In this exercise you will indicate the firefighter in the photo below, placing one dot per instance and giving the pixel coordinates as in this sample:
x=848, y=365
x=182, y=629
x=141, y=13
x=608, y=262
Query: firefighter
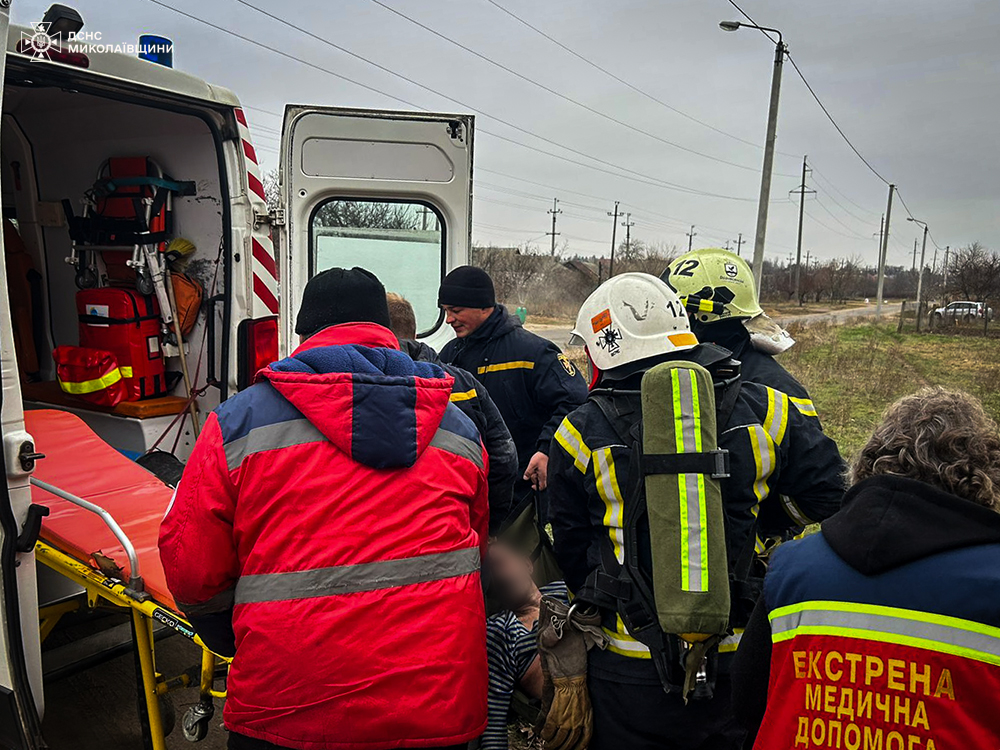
x=717, y=287
x=469, y=395
x=883, y=630
x=328, y=533
x=533, y=384
x=630, y=324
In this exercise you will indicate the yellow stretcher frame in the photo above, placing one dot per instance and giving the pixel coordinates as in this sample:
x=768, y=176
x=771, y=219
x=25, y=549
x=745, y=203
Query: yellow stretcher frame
x=99, y=588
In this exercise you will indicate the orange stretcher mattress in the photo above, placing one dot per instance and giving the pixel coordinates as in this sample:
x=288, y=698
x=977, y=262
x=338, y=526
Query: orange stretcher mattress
x=77, y=461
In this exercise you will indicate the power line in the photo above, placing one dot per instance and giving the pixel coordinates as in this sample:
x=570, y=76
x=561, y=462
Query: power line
x=836, y=219
x=841, y=193
x=621, y=80
x=640, y=178
x=834, y=122
x=814, y=96
x=554, y=92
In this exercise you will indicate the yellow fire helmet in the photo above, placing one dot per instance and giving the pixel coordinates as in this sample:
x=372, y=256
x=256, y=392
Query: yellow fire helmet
x=714, y=284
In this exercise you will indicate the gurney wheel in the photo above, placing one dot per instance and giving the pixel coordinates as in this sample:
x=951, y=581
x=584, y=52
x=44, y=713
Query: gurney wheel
x=196, y=721
x=144, y=283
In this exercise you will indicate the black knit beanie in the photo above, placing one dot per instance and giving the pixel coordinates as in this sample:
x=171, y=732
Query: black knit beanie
x=339, y=296
x=467, y=286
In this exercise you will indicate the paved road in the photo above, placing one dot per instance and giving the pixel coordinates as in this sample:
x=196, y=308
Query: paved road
x=560, y=334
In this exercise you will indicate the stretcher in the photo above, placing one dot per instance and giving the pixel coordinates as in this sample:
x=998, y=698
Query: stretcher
x=101, y=533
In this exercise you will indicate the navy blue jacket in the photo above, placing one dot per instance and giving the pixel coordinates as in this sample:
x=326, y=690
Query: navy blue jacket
x=531, y=381
x=896, y=566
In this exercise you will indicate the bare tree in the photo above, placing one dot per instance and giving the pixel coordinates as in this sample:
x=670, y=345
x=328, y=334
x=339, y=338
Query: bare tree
x=512, y=269
x=271, y=188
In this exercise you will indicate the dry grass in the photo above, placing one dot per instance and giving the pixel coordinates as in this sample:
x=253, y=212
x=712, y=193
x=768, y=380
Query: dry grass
x=854, y=372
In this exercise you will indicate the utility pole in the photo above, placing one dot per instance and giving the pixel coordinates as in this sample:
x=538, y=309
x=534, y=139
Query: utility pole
x=614, y=229
x=883, y=251
x=628, y=224
x=727, y=245
x=947, y=248
x=914, y=267
x=920, y=276
x=765, y=176
x=739, y=245
x=934, y=264
x=807, y=259
x=554, y=210
x=801, y=190
x=691, y=235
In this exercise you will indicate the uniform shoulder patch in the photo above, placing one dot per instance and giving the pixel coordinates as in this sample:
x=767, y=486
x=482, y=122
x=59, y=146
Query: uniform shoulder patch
x=568, y=366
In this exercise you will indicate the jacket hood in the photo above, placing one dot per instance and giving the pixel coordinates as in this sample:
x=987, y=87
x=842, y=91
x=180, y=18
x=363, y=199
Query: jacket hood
x=888, y=521
x=368, y=398
x=419, y=351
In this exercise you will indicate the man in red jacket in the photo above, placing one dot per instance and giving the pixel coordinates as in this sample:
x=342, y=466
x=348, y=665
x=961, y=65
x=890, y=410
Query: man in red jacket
x=328, y=531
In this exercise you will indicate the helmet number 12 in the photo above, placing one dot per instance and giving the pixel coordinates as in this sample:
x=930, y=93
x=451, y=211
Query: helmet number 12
x=686, y=268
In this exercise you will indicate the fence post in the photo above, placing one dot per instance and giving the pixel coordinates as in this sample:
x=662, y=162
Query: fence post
x=902, y=314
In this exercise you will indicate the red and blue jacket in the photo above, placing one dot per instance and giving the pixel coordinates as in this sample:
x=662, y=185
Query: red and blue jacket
x=883, y=630
x=328, y=530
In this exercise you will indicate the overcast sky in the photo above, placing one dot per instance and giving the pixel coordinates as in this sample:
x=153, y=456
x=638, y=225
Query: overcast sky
x=913, y=83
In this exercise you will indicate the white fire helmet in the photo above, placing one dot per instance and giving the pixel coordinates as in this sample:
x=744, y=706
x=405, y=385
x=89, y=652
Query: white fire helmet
x=631, y=317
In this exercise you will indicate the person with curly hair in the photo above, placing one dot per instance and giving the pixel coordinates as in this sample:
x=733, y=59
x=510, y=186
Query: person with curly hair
x=883, y=629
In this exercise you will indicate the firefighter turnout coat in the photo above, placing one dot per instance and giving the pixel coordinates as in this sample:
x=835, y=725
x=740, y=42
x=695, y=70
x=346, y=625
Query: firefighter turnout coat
x=533, y=384
x=334, y=516
x=776, y=455
x=881, y=631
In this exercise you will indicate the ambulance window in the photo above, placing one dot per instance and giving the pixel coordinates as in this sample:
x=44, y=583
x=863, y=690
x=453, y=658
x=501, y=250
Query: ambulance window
x=401, y=243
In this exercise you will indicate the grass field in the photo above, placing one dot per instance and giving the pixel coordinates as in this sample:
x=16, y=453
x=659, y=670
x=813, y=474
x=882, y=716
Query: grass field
x=853, y=372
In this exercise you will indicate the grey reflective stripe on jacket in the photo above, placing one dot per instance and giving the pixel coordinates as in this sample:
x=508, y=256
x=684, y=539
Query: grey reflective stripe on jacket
x=271, y=437
x=458, y=445
x=351, y=579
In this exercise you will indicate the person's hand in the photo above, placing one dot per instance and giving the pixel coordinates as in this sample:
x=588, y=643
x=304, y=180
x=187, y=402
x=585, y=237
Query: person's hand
x=538, y=471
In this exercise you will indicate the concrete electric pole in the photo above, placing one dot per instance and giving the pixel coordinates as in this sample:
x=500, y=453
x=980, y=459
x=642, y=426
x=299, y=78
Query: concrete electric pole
x=614, y=230
x=883, y=251
x=801, y=190
x=554, y=210
x=628, y=224
x=691, y=235
x=739, y=245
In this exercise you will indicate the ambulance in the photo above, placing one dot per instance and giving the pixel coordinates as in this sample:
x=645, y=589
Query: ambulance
x=136, y=226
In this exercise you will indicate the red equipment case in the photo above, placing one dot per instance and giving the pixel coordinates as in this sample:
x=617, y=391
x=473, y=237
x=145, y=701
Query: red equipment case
x=126, y=323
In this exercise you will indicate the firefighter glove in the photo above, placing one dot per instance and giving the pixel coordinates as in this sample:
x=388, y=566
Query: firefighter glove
x=565, y=634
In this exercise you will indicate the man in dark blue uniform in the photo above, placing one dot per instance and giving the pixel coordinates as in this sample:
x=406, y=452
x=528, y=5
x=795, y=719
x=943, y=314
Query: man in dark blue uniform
x=533, y=384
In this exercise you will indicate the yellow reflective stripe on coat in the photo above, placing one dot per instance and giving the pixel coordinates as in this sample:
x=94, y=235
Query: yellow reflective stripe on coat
x=805, y=406
x=500, y=366
x=730, y=643
x=762, y=447
x=90, y=386
x=126, y=371
x=777, y=415
x=794, y=511
x=903, y=627
x=607, y=488
x=623, y=644
x=691, y=487
x=572, y=442
x=464, y=395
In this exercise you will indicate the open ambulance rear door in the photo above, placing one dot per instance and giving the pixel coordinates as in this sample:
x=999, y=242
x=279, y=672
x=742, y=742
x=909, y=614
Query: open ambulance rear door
x=20, y=654
x=387, y=191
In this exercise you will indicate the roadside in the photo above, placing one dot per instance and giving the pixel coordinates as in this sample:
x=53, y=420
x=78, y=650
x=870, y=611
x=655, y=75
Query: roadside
x=558, y=330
